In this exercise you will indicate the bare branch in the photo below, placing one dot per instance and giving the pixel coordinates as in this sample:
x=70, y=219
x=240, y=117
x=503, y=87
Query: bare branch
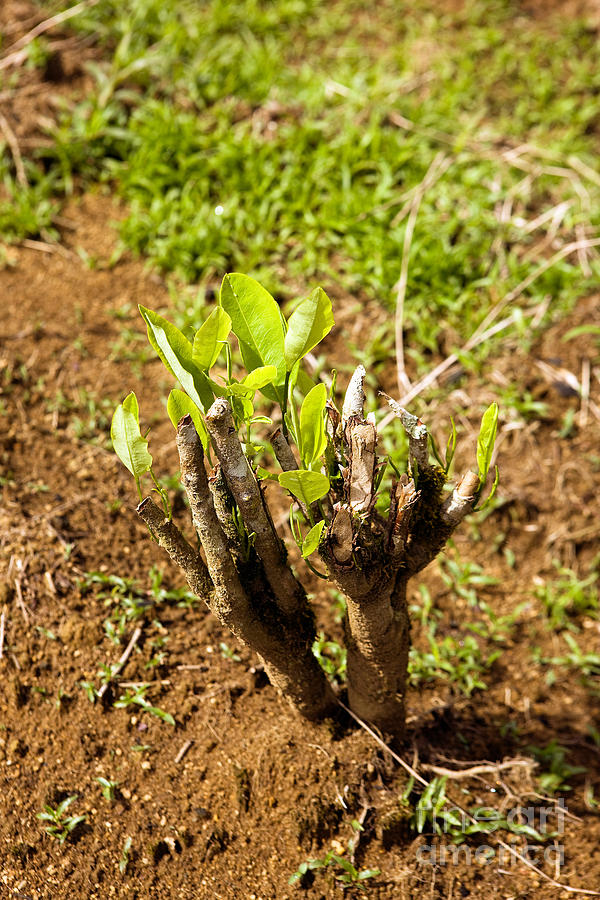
x=354, y=399
x=118, y=667
x=283, y=452
x=483, y=769
x=229, y=593
x=288, y=462
x=363, y=460
x=183, y=555
x=247, y=494
x=416, y=431
x=224, y=503
x=460, y=503
x=287, y=656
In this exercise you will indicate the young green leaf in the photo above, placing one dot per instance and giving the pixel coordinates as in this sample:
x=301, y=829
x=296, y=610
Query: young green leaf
x=258, y=378
x=210, y=337
x=176, y=353
x=306, y=486
x=256, y=321
x=486, y=440
x=180, y=405
x=130, y=404
x=313, y=438
x=311, y=541
x=450, y=446
x=127, y=440
x=307, y=326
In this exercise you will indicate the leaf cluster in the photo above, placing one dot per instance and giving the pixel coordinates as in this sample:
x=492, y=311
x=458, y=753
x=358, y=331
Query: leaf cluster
x=61, y=825
x=272, y=349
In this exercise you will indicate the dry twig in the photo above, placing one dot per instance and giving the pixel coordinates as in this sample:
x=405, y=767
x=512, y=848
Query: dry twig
x=486, y=330
x=483, y=769
x=182, y=751
x=18, y=51
x=511, y=850
x=11, y=139
x=118, y=667
x=437, y=168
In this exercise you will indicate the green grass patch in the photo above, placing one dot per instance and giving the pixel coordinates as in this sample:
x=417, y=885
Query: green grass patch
x=289, y=139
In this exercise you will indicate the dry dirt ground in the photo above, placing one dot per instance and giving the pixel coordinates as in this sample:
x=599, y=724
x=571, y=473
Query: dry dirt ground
x=232, y=798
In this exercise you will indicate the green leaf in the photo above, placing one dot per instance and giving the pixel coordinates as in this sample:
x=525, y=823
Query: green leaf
x=313, y=438
x=176, y=353
x=486, y=440
x=579, y=330
x=258, y=378
x=307, y=326
x=180, y=405
x=450, y=446
x=127, y=440
x=210, y=337
x=305, y=486
x=256, y=321
x=130, y=404
x=240, y=398
x=311, y=541
x=368, y=873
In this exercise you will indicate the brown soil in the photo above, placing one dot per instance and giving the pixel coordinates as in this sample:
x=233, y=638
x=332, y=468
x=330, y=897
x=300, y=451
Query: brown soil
x=257, y=791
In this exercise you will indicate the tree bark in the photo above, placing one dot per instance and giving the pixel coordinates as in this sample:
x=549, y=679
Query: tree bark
x=377, y=635
x=284, y=644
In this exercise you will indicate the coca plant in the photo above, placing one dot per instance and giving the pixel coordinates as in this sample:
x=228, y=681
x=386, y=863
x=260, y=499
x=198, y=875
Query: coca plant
x=327, y=462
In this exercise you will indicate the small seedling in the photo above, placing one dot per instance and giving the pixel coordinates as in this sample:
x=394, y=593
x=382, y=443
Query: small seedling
x=61, y=826
x=457, y=660
x=228, y=653
x=553, y=759
x=90, y=689
x=586, y=664
x=349, y=874
x=568, y=597
x=124, y=861
x=137, y=697
x=332, y=657
x=108, y=788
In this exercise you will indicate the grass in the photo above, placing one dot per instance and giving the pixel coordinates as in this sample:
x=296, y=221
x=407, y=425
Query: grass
x=568, y=597
x=287, y=140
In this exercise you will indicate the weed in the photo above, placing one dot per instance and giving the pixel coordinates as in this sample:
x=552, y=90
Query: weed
x=568, y=597
x=457, y=660
x=46, y=632
x=61, y=825
x=553, y=759
x=586, y=664
x=90, y=690
x=108, y=788
x=464, y=578
x=137, y=697
x=434, y=812
x=125, y=854
x=159, y=654
x=343, y=869
x=127, y=601
x=228, y=653
x=332, y=657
